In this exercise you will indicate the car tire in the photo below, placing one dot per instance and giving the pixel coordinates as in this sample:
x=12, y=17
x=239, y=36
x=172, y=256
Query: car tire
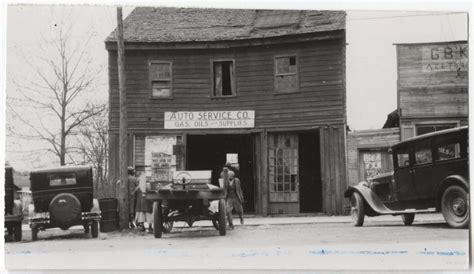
x=455, y=206
x=17, y=232
x=86, y=228
x=167, y=226
x=215, y=222
x=157, y=222
x=95, y=229
x=408, y=218
x=222, y=215
x=34, y=233
x=357, y=209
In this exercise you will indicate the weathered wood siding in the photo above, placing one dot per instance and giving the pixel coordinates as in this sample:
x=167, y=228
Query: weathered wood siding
x=433, y=79
x=368, y=140
x=320, y=100
x=333, y=168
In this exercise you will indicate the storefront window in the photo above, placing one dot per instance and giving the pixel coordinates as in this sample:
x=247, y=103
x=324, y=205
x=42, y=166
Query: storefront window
x=283, y=167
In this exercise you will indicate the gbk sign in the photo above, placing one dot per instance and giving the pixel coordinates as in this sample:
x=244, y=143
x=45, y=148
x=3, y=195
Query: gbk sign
x=210, y=119
x=447, y=57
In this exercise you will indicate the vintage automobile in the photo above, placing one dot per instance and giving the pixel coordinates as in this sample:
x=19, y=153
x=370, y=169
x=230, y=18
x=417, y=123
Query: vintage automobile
x=63, y=197
x=188, y=198
x=13, y=208
x=430, y=175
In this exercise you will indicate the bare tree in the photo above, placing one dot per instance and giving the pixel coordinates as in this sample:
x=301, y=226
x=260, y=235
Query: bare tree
x=56, y=99
x=93, y=146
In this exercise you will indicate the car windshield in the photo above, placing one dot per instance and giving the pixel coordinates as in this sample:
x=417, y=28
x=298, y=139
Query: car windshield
x=56, y=179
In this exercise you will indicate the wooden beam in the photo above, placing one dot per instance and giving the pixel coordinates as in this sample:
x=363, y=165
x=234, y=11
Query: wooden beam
x=123, y=148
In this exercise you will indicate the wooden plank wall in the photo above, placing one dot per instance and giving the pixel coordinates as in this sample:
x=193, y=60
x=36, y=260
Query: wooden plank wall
x=366, y=140
x=433, y=79
x=320, y=100
x=333, y=169
x=113, y=161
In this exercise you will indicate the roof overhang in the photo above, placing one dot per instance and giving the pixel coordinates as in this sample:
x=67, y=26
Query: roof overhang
x=287, y=39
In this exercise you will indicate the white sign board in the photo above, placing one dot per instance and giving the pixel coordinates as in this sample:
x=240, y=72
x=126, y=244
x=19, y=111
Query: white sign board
x=210, y=119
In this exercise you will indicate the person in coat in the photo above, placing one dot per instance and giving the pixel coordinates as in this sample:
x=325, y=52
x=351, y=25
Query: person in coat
x=144, y=208
x=132, y=189
x=234, y=197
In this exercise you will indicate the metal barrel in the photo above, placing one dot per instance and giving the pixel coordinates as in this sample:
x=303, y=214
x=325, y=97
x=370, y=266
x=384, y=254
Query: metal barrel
x=110, y=216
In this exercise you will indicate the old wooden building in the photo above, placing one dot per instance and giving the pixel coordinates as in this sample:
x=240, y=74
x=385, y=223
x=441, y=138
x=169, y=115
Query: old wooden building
x=368, y=153
x=432, y=86
x=264, y=90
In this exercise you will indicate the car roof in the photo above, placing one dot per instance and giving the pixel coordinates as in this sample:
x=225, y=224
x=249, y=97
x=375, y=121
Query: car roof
x=431, y=134
x=61, y=169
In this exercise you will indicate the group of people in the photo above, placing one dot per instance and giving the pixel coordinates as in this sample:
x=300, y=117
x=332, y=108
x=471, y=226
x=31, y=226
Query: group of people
x=141, y=209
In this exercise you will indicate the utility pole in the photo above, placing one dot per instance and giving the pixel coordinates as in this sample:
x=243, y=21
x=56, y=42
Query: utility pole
x=123, y=148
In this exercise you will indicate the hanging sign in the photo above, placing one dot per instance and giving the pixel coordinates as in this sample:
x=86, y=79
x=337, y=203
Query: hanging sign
x=210, y=119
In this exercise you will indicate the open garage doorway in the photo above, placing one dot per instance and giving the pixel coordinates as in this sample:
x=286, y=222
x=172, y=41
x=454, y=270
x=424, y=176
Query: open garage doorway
x=310, y=186
x=212, y=151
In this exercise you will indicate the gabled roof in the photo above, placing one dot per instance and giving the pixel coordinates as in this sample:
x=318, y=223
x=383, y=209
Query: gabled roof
x=170, y=25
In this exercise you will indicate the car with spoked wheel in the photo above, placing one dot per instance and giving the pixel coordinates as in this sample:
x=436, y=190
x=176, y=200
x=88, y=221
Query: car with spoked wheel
x=431, y=174
x=188, y=198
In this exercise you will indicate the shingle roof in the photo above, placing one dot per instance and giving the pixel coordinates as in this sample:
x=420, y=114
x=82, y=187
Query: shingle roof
x=149, y=24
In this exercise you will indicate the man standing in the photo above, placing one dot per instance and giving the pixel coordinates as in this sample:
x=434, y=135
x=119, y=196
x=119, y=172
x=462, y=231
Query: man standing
x=234, y=197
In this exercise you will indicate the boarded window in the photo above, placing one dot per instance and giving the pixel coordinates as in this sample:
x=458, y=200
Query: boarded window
x=223, y=78
x=283, y=167
x=286, y=74
x=160, y=77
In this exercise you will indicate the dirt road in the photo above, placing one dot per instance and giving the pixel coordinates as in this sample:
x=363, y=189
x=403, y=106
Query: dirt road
x=378, y=245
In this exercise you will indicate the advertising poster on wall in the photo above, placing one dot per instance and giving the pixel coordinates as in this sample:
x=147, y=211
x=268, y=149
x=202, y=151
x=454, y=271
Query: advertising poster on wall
x=159, y=159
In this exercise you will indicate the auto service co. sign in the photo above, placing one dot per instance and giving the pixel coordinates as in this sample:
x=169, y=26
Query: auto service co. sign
x=210, y=119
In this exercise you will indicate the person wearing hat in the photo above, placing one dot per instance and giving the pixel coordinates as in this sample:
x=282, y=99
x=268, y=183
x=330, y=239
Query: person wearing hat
x=234, y=197
x=132, y=190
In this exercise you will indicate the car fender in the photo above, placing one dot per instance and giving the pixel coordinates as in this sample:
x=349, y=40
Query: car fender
x=370, y=198
x=458, y=179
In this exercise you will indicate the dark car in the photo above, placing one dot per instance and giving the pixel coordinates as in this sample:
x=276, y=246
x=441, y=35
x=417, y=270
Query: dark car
x=13, y=208
x=63, y=197
x=431, y=174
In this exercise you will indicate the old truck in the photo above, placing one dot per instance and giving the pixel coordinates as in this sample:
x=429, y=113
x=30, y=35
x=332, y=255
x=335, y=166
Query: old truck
x=188, y=198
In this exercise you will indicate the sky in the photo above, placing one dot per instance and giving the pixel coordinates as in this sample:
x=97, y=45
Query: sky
x=371, y=75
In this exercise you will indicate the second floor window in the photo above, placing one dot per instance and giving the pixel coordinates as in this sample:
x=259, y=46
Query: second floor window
x=286, y=74
x=160, y=79
x=223, y=78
